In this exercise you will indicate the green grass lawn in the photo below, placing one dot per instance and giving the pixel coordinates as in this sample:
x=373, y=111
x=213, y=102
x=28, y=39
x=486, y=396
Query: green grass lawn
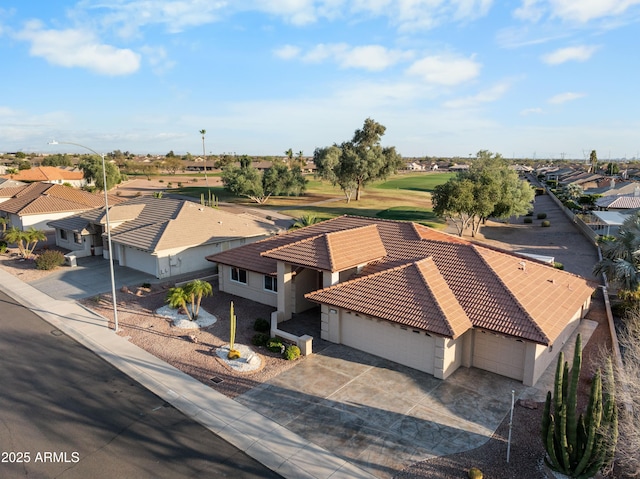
x=415, y=181
x=406, y=197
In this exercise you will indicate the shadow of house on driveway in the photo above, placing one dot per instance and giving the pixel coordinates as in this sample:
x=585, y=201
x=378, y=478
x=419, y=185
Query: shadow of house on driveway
x=380, y=415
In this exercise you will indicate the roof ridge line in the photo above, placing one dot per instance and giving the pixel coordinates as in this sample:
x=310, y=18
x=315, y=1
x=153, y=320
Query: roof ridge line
x=303, y=240
x=430, y=289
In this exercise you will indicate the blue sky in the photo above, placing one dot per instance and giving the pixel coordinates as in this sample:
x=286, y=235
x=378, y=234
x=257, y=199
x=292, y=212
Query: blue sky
x=525, y=78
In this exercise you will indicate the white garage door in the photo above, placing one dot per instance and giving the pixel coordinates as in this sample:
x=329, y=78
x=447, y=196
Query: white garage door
x=500, y=355
x=403, y=346
x=140, y=260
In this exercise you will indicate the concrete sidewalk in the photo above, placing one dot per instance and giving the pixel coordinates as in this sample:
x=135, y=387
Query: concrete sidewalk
x=273, y=445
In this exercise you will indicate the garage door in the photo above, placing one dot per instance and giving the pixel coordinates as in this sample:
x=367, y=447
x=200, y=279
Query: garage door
x=498, y=354
x=403, y=346
x=140, y=260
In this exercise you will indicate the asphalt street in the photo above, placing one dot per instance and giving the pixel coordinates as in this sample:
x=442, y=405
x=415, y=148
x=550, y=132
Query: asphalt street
x=66, y=413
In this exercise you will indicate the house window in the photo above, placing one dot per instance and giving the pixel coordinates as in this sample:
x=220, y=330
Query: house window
x=63, y=234
x=271, y=283
x=77, y=238
x=239, y=275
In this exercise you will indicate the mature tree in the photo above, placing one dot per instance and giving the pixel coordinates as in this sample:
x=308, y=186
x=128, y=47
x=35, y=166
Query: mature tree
x=195, y=290
x=247, y=181
x=224, y=160
x=21, y=155
x=357, y=162
x=593, y=159
x=57, y=160
x=289, y=154
x=620, y=259
x=24, y=165
x=172, y=165
x=150, y=169
x=612, y=168
x=25, y=240
x=488, y=189
x=171, y=154
x=91, y=166
x=455, y=200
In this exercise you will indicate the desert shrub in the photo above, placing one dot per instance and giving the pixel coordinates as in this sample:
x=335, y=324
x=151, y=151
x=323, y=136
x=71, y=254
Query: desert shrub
x=261, y=325
x=529, y=213
x=160, y=181
x=260, y=339
x=546, y=223
x=180, y=184
x=528, y=220
x=475, y=473
x=145, y=285
x=49, y=259
x=3, y=247
x=291, y=352
x=557, y=265
x=275, y=345
x=542, y=216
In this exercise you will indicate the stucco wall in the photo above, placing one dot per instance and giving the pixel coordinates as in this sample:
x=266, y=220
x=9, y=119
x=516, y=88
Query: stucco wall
x=253, y=290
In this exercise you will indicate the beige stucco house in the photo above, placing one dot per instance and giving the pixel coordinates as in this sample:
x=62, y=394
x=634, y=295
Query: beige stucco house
x=163, y=237
x=411, y=294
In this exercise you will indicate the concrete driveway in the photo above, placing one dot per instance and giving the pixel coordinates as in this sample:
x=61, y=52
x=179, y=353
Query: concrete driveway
x=90, y=278
x=379, y=415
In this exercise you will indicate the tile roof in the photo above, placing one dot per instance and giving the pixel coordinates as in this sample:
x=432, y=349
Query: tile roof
x=46, y=173
x=490, y=286
x=42, y=198
x=156, y=224
x=334, y=251
x=413, y=294
x=622, y=202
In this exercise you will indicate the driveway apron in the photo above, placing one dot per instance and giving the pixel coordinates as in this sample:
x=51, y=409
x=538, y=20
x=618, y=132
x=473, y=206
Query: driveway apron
x=379, y=415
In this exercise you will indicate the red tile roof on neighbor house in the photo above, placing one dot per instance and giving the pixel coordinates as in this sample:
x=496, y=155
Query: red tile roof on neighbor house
x=42, y=198
x=429, y=280
x=46, y=173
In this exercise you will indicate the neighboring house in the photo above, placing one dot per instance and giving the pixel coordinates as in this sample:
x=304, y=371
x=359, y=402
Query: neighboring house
x=611, y=187
x=414, y=166
x=621, y=202
x=163, y=237
x=36, y=204
x=50, y=174
x=583, y=179
x=6, y=183
x=417, y=296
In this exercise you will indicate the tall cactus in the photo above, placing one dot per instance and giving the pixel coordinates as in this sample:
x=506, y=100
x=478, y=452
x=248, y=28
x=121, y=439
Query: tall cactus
x=579, y=446
x=233, y=353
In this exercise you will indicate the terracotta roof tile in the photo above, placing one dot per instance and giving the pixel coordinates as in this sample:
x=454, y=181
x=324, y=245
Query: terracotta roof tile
x=413, y=294
x=42, y=198
x=46, y=173
x=334, y=251
x=485, y=283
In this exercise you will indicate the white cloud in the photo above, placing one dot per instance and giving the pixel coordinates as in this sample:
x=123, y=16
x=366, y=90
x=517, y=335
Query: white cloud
x=158, y=59
x=579, y=53
x=78, y=48
x=412, y=15
x=531, y=111
x=287, y=52
x=366, y=57
x=445, y=69
x=581, y=11
x=565, y=97
x=486, y=96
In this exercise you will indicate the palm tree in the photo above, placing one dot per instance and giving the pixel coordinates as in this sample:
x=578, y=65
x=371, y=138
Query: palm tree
x=32, y=237
x=3, y=223
x=621, y=258
x=177, y=298
x=17, y=236
x=195, y=290
x=204, y=154
x=305, y=220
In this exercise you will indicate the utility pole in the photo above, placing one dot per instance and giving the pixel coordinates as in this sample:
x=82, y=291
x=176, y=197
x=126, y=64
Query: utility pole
x=204, y=154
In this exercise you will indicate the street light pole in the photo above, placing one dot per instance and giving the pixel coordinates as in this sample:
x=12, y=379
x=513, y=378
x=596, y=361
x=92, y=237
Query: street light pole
x=106, y=207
